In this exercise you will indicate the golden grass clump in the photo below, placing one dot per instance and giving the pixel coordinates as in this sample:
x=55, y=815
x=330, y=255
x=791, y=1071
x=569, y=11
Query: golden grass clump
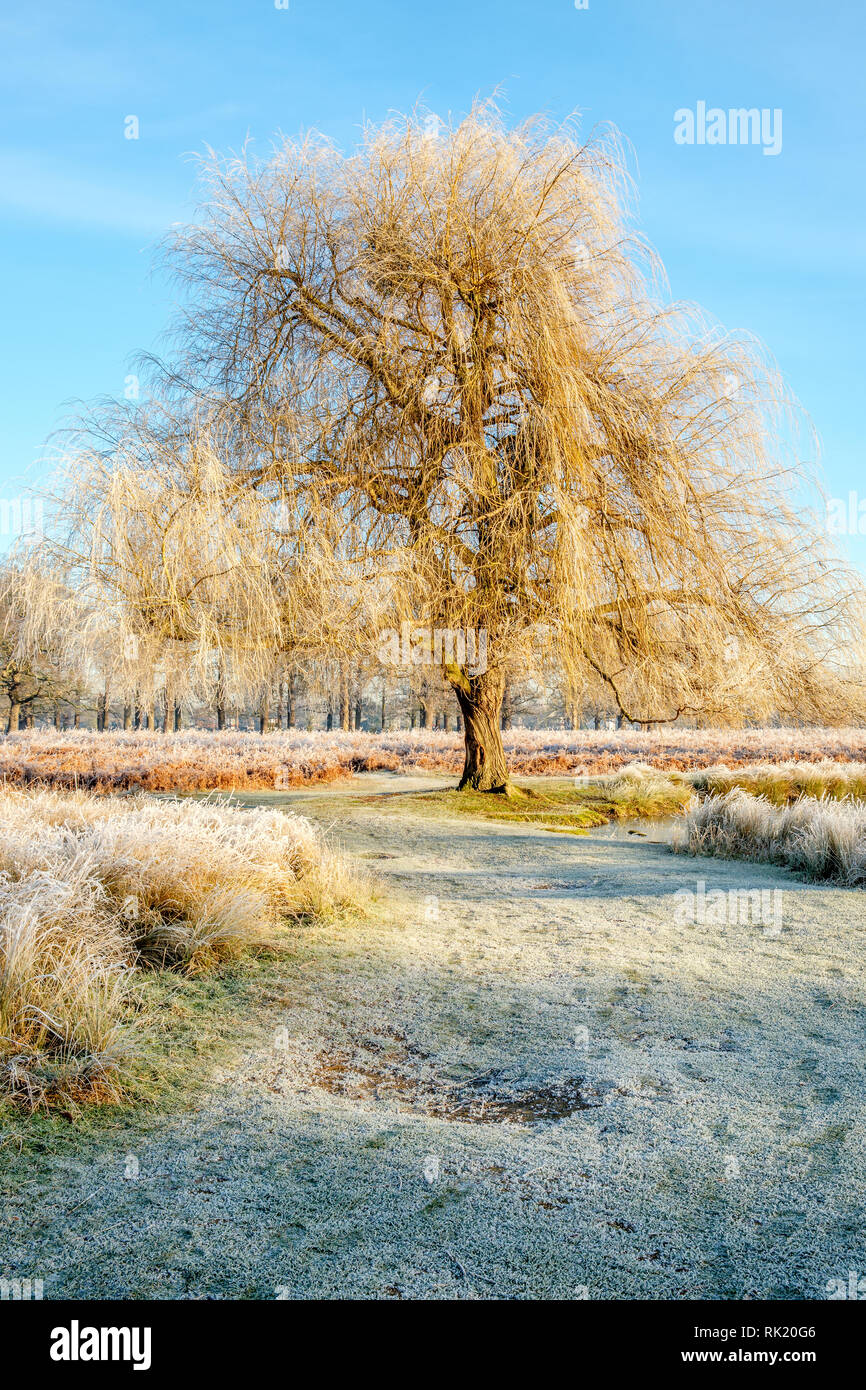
x=784, y=782
x=94, y=891
x=641, y=790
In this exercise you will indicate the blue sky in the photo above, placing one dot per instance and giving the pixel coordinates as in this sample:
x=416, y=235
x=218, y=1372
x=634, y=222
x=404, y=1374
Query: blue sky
x=772, y=244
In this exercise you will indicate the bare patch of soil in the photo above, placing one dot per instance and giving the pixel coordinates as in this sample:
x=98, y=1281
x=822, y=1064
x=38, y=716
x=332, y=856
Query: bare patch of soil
x=376, y=1072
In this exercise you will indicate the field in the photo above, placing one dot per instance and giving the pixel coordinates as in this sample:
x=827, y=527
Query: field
x=525, y=1072
x=201, y=761
x=347, y=1032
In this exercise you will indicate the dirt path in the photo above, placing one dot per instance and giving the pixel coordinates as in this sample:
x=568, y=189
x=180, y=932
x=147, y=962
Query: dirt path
x=529, y=1078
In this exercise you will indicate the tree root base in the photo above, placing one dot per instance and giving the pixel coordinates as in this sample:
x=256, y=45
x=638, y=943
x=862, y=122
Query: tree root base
x=507, y=789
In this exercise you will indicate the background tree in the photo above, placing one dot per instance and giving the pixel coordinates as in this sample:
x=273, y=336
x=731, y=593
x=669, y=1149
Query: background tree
x=207, y=587
x=37, y=666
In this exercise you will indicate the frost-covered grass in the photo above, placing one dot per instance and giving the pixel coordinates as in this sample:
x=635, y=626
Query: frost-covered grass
x=198, y=760
x=97, y=891
x=721, y=1157
x=782, y=783
x=640, y=790
x=818, y=838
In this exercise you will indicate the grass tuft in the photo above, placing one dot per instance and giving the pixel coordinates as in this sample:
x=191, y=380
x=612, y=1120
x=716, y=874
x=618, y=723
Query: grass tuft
x=96, y=892
x=782, y=783
x=819, y=838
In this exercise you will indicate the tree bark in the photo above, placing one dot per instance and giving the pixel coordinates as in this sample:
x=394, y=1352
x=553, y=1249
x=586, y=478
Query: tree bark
x=480, y=701
x=344, y=700
x=505, y=720
x=220, y=700
x=14, y=719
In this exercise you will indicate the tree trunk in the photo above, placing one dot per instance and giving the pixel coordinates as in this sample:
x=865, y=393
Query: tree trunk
x=220, y=700
x=178, y=716
x=127, y=716
x=505, y=721
x=13, y=722
x=290, y=701
x=480, y=701
x=344, y=701
x=383, y=707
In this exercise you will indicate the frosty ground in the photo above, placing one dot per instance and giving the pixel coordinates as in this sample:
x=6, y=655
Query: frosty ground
x=523, y=1076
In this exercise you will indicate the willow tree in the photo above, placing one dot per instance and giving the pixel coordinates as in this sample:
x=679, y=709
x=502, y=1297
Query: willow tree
x=453, y=345
x=201, y=583
x=35, y=662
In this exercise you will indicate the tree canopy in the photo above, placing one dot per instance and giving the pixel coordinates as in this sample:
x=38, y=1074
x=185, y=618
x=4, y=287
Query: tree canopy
x=451, y=358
